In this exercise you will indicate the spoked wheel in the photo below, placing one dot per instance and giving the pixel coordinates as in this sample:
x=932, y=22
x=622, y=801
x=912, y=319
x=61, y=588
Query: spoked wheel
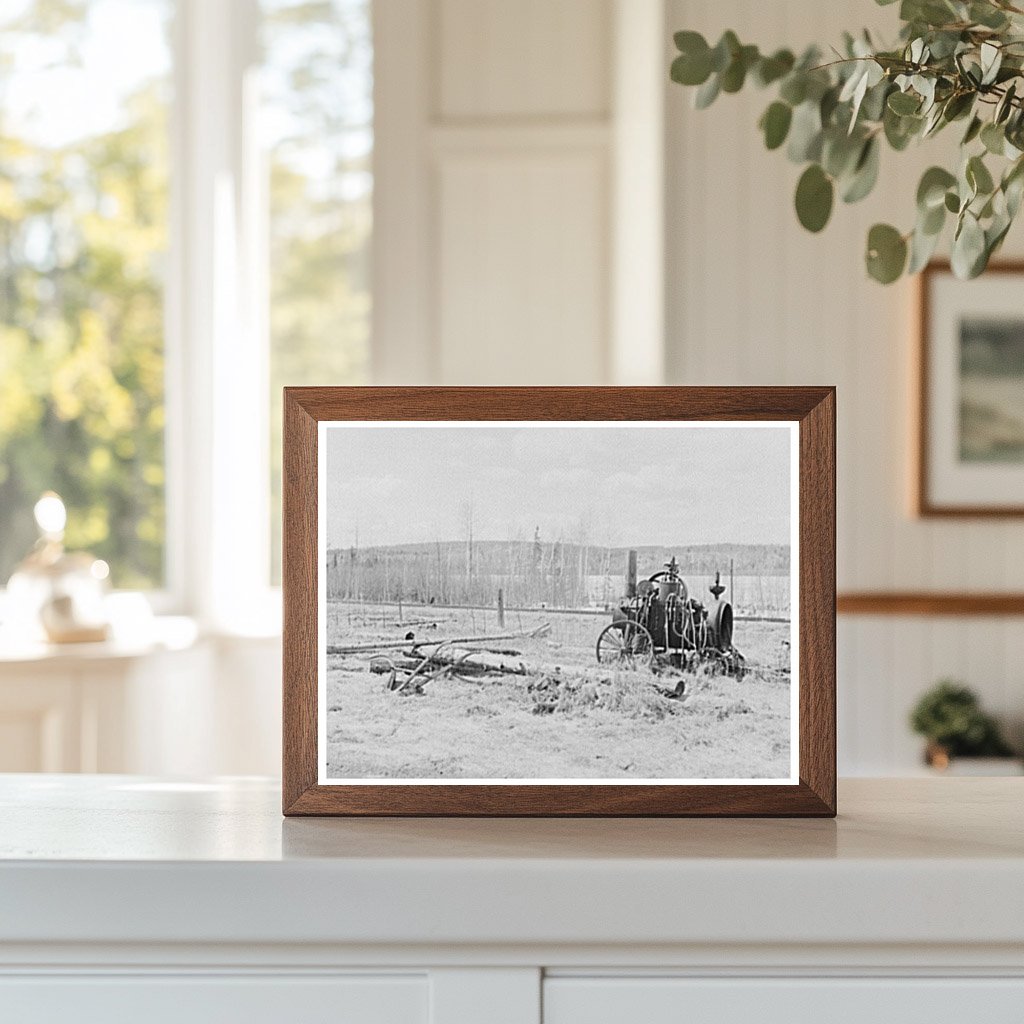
x=625, y=643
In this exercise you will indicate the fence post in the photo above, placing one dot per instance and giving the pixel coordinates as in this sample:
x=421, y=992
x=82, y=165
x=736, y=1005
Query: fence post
x=501, y=607
x=631, y=574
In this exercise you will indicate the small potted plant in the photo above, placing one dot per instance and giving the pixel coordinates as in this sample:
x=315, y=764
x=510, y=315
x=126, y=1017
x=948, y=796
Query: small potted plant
x=950, y=718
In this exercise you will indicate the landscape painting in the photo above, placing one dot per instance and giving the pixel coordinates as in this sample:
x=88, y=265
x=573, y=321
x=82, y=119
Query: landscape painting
x=991, y=390
x=587, y=602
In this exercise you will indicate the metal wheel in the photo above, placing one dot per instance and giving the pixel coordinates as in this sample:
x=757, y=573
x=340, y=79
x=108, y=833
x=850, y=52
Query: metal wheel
x=720, y=626
x=625, y=643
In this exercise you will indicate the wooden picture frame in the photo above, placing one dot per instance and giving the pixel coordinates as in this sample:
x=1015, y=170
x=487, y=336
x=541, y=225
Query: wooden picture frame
x=810, y=791
x=936, y=482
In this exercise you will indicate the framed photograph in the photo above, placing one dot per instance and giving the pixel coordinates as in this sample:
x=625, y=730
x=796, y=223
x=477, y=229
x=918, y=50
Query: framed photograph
x=970, y=450
x=559, y=601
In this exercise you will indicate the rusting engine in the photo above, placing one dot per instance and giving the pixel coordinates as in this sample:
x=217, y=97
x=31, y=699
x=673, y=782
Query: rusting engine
x=662, y=622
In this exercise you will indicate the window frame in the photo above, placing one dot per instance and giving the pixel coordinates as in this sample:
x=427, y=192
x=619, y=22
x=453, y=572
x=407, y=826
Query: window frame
x=216, y=340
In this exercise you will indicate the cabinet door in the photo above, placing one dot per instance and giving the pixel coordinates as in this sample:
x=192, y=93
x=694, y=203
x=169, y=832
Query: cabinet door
x=202, y=999
x=782, y=1000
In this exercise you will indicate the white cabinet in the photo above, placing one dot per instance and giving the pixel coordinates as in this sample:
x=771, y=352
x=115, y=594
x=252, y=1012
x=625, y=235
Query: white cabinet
x=828, y=1000
x=174, y=705
x=202, y=999
x=130, y=899
x=101, y=708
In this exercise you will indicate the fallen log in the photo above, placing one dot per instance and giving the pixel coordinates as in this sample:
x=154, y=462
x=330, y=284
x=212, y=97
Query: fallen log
x=394, y=645
x=475, y=661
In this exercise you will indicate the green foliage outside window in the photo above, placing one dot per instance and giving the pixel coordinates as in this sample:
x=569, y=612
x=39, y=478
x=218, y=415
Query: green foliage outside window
x=83, y=244
x=82, y=231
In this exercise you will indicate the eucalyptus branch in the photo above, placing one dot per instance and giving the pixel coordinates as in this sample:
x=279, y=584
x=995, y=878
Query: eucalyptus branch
x=955, y=61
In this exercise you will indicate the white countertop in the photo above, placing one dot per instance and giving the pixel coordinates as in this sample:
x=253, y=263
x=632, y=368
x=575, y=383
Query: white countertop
x=121, y=859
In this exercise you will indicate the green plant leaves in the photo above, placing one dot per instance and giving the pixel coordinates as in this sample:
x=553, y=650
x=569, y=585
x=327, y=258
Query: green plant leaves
x=969, y=253
x=932, y=189
x=771, y=69
x=978, y=176
x=693, y=65
x=707, y=93
x=956, y=60
x=922, y=248
x=983, y=13
x=814, y=196
x=805, y=133
x=865, y=173
x=904, y=103
x=775, y=122
x=993, y=138
x=991, y=61
x=887, y=253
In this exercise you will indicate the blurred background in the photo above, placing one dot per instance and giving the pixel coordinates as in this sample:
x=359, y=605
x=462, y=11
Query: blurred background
x=202, y=201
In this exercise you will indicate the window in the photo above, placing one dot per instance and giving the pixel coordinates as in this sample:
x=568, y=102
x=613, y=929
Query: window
x=83, y=234
x=175, y=246
x=317, y=87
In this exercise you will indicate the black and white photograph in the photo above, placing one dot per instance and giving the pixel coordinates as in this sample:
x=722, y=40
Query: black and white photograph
x=601, y=602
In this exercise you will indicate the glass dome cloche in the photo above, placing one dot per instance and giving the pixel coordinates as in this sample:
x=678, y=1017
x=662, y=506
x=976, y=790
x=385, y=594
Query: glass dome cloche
x=57, y=595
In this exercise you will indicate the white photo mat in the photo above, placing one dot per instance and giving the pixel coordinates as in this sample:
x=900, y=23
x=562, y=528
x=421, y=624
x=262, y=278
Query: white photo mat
x=331, y=431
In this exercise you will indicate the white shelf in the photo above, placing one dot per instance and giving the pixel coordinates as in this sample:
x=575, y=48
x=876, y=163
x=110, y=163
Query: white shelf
x=122, y=860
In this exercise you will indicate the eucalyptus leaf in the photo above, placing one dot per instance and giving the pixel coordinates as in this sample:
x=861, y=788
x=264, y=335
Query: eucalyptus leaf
x=973, y=130
x=900, y=130
x=840, y=152
x=1005, y=105
x=993, y=138
x=794, y=88
x=987, y=15
x=775, y=124
x=991, y=61
x=724, y=51
x=805, y=133
x=865, y=173
x=707, y=93
x=735, y=74
x=922, y=248
x=958, y=105
x=932, y=221
x=873, y=106
x=691, y=70
x=886, y=253
x=968, y=248
x=903, y=103
x=1013, y=187
x=771, y=69
x=931, y=190
x=978, y=176
x=814, y=196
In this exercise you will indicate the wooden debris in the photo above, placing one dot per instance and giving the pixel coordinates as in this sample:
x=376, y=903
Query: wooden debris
x=394, y=645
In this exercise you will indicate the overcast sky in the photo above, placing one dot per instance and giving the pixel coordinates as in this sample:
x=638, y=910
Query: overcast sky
x=618, y=486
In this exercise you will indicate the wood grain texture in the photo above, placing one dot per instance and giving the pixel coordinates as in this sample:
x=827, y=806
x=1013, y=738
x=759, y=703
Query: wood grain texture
x=812, y=407
x=923, y=503
x=299, y=596
x=926, y=603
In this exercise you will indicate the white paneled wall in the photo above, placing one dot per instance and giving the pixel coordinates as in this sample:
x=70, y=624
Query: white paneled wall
x=753, y=299
x=504, y=155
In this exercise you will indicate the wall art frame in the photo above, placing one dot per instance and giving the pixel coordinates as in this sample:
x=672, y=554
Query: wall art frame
x=318, y=420
x=969, y=444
